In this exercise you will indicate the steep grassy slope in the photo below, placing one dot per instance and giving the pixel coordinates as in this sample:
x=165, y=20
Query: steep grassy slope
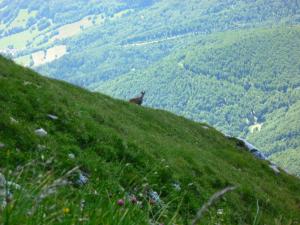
x=124, y=150
x=228, y=48
x=229, y=63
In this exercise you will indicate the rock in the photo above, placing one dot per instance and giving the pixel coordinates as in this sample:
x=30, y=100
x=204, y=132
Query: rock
x=274, y=168
x=220, y=211
x=25, y=83
x=71, y=156
x=82, y=179
x=286, y=171
x=154, y=196
x=53, y=117
x=247, y=144
x=251, y=148
x=258, y=154
x=2, y=145
x=41, y=147
x=13, y=120
x=176, y=186
x=41, y=132
x=205, y=127
x=228, y=136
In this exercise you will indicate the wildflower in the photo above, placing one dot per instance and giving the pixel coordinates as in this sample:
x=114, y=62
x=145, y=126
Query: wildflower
x=133, y=200
x=121, y=202
x=66, y=210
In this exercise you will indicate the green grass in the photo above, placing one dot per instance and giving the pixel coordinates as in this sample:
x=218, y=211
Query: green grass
x=124, y=150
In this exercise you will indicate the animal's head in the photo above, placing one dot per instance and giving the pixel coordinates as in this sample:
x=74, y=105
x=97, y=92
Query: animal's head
x=143, y=93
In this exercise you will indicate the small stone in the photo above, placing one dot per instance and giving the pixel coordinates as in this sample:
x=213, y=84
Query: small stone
x=71, y=156
x=82, y=180
x=41, y=132
x=13, y=120
x=177, y=186
x=25, y=83
x=205, y=127
x=53, y=117
x=220, y=211
x=154, y=196
x=2, y=145
x=41, y=147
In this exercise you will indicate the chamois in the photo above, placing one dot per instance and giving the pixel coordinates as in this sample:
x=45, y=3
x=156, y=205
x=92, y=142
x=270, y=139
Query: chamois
x=138, y=100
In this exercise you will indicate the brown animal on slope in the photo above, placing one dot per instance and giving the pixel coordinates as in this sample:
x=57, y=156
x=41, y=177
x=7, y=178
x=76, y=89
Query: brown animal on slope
x=138, y=100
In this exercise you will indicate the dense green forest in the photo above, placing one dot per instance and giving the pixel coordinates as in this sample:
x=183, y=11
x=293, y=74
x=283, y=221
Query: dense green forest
x=233, y=64
x=70, y=156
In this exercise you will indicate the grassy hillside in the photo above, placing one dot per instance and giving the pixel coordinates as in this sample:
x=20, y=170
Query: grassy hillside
x=99, y=150
x=246, y=83
x=232, y=64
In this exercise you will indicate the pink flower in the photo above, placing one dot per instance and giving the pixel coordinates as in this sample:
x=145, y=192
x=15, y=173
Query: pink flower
x=121, y=202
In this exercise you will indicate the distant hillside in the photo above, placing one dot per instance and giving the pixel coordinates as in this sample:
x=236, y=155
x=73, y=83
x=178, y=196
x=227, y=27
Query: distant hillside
x=233, y=64
x=71, y=154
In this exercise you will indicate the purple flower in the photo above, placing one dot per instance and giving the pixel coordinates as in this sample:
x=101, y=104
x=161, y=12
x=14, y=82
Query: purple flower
x=121, y=202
